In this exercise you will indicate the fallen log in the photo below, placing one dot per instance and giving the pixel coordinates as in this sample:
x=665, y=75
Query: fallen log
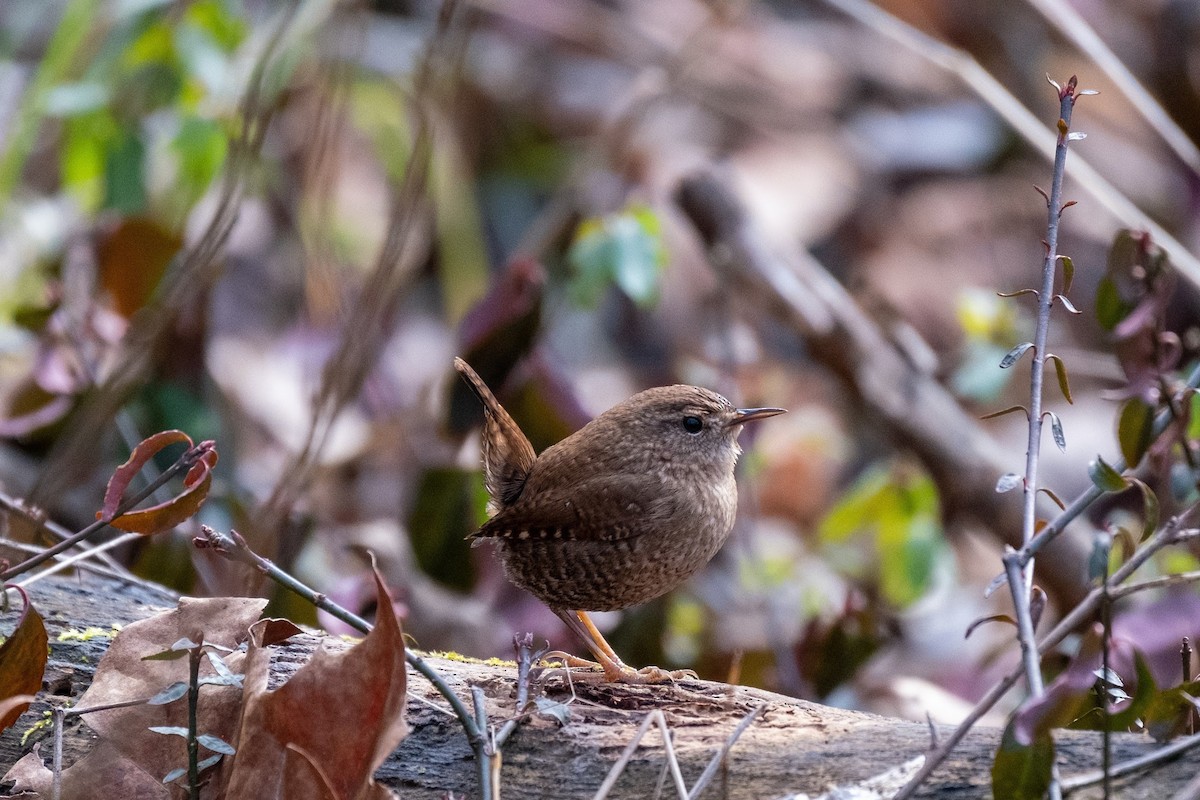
x=792, y=746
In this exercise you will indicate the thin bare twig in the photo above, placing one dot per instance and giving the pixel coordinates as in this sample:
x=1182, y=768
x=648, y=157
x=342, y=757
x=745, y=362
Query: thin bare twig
x=1165, y=753
x=1071, y=24
x=190, y=274
x=1020, y=576
x=83, y=555
x=654, y=717
x=232, y=546
x=711, y=769
x=1171, y=533
x=1093, y=492
x=1178, y=579
x=988, y=89
x=372, y=318
x=182, y=464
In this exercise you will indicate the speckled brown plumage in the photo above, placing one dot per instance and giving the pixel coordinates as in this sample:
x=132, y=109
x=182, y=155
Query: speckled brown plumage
x=620, y=512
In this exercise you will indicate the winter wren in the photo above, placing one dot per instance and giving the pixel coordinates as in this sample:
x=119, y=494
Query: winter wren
x=620, y=512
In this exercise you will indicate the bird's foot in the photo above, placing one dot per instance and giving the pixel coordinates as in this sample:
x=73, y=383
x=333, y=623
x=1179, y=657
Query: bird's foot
x=650, y=675
x=619, y=672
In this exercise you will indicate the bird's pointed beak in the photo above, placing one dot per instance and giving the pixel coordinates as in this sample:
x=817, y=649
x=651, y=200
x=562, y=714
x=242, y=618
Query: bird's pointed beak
x=743, y=415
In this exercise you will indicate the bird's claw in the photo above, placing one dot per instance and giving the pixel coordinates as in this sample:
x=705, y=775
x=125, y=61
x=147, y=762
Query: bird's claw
x=618, y=671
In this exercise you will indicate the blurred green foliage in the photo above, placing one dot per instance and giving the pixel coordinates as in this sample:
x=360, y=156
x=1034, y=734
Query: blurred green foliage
x=623, y=249
x=147, y=123
x=887, y=528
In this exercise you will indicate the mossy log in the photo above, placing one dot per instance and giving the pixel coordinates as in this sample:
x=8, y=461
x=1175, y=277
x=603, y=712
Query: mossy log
x=792, y=746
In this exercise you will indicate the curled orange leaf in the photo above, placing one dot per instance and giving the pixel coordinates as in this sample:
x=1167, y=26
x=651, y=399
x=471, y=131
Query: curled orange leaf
x=161, y=517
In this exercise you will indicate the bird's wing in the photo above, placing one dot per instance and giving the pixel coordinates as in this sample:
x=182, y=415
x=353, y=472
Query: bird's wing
x=603, y=508
x=507, y=454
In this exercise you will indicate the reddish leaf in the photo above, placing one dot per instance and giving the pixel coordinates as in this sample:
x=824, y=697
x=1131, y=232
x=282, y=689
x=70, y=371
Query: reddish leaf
x=22, y=661
x=124, y=474
x=278, y=630
x=163, y=516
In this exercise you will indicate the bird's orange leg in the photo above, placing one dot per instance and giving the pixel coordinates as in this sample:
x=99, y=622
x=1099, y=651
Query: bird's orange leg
x=614, y=668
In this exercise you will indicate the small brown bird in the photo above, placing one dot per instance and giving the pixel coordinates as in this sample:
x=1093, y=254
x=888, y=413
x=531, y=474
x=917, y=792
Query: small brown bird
x=620, y=512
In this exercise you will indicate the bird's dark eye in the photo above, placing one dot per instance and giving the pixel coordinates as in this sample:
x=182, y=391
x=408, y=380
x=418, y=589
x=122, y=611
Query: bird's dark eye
x=693, y=425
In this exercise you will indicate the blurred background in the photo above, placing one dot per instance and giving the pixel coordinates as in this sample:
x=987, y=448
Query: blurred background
x=274, y=225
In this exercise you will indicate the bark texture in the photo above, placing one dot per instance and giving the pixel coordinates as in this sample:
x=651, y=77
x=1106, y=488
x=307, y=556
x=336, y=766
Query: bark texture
x=793, y=746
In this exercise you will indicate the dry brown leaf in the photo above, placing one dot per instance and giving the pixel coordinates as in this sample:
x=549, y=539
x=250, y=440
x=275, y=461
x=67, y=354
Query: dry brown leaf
x=324, y=732
x=22, y=661
x=103, y=766
x=133, y=753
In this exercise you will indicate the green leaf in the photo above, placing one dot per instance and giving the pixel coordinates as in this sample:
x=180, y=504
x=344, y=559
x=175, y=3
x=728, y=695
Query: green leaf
x=1068, y=268
x=1022, y=772
x=1135, y=426
x=1126, y=545
x=1060, y=369
x=857, y=508
x=1019, y=292
x=82, y=157
x=444, y=511
x=887, y=527
x=221, y=680
x=1193, y=428
x=624, y=249
x=560, y=712
x=1067, y=304
x=1170, y=710
x=201, y=146
x=205, y=763
x=642, y=255
x=1143, y=697
x=125, y=188
x=1105, y=477
x=218, y=20
x=1150, y=509
x=1110, y=308
x=1014, y=355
